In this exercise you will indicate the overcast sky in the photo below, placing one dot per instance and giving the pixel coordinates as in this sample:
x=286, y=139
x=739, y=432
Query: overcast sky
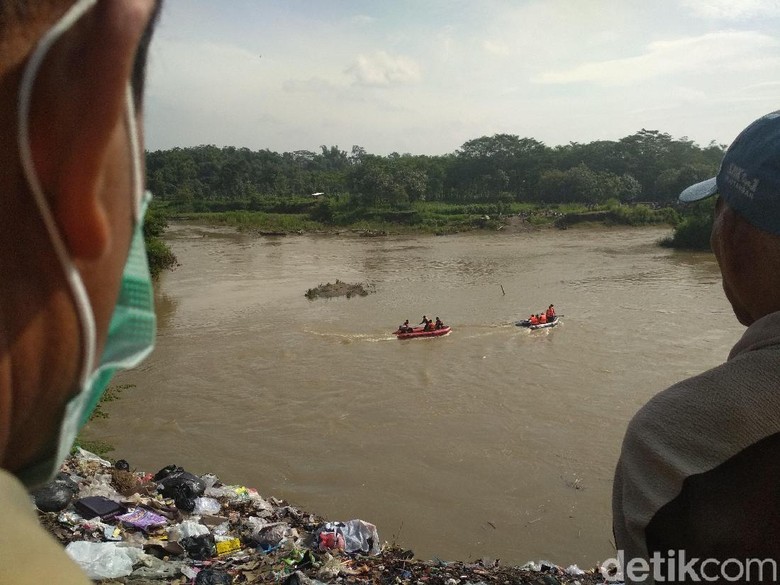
x=425, y=76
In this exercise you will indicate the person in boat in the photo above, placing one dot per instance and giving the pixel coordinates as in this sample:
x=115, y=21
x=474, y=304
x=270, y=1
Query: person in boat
x=533, y=320
x=405, y=328
x=550, y=314
x=542, y=318
x=426, y=323
x=439, y=324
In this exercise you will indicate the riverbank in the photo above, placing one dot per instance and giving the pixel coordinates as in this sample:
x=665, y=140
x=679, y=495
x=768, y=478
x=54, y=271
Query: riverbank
x=175, y=527
x=430, y=218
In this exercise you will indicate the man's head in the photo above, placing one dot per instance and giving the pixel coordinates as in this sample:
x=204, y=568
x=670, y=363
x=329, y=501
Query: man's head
x=746, y=230
x=68, y=138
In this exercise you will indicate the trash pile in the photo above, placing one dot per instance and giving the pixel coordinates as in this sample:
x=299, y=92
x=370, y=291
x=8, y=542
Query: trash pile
x=124, y=526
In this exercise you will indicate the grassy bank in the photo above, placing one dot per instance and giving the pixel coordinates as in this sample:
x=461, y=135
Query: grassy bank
x=428, y=217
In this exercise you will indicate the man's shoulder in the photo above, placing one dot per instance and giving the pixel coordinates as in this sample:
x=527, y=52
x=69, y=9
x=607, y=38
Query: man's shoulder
x=698, y=423
x=28, y=554
x=746, y=387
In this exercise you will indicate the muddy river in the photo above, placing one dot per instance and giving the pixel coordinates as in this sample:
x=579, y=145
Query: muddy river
x=490, y=442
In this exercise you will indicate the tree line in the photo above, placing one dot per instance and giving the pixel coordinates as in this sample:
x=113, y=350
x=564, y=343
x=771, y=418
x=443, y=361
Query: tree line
x=648, y=166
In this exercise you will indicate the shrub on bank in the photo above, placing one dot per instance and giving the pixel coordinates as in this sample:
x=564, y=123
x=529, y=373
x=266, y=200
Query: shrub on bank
x=158, y=254
x=693, y=231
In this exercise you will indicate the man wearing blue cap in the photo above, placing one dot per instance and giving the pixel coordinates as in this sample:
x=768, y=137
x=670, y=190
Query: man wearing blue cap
x=75, y=294
x=699, y=473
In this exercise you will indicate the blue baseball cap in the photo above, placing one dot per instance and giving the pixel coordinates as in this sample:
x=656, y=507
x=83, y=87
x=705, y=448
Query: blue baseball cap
x=749, y=175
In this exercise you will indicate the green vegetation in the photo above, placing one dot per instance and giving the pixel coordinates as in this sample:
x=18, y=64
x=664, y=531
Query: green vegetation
x=648, y=166
x=158, y=254
x=693, y=230
x=631, y=181
x=435, y=218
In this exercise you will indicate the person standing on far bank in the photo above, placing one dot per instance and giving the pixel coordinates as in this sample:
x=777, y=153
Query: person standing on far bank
x=699, y=471
x=76, y=300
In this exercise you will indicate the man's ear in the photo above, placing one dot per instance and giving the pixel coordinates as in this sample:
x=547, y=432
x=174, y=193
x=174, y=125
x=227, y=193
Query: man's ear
x=740, y=241
x=77, y=118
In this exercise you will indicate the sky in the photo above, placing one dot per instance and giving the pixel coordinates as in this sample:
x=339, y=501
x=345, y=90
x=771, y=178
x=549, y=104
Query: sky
x=425, y=76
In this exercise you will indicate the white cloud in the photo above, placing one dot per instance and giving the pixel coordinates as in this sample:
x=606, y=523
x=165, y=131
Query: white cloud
x=362, y=20
x=382, y=69
x=445, y=44
x=733, y=9
x=208, y=73
x=713, y=51
x=313, y=85
x=495, y=48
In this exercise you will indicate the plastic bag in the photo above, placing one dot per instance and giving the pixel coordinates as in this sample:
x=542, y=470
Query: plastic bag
x=158, y=570
x=183, y=487
x=213, y=577
x=101, y=560
x=83, y=454
x=186, y=529
x=166, y=471
x=55, y=496
x=101, y=484
x=353, y=536
x=142, y=519
x=199, y=548
x=206, y=506
x=298, y=578
x=210, y=480
x=227, y=544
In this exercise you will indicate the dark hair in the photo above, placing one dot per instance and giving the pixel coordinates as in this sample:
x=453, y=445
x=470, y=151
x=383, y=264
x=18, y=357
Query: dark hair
x=139, y=66
x=20, y=12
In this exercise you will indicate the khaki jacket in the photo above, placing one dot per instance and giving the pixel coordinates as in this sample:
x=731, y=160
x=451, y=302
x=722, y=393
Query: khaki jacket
x=28, y=554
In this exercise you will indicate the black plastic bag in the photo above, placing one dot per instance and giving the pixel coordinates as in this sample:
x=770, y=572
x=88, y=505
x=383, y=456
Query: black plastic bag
x=183, y=487
x=166, y=471
x=199, y=548
x=184, y=502
x=182, y=484
x=56, y=495
x=122, y=465
x=213, y=577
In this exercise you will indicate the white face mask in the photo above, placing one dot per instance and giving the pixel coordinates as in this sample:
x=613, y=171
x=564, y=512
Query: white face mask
x=131, y=331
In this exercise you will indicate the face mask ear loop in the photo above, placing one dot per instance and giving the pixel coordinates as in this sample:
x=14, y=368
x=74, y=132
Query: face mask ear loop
x=135, y=153
x=80, y=297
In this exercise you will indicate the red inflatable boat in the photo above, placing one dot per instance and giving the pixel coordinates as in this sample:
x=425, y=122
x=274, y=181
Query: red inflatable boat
x=418, y=332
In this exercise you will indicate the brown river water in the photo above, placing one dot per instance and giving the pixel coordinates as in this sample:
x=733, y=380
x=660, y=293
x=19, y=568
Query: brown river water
x=490, y=442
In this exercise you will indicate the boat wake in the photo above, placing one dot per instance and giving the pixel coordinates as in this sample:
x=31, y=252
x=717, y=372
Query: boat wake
x=353, y=337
